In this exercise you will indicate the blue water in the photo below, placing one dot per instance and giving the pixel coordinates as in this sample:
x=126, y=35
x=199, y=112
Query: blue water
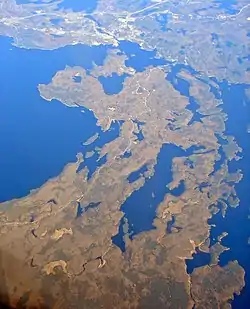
x=182, y=86
x=139, y=59
x=92, y=205
x=126, y=155
x=139, y=136
x=137, y=174
x=77, y=79
x=38, y=138
x=171, y=223
x=163, y=20
x=87, y=6
x=227, y=6
x=80, y=210
x=236, y=221
x=199, y=259
x=221, y=160
x=139, y=209
x=118, y=239
x=112, y=84
x=95, y=161
x=56, y=21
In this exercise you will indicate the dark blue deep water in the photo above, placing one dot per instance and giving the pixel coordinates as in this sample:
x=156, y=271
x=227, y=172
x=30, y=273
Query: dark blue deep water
x=236, y=222
x=140, y=208
x=39, y=138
